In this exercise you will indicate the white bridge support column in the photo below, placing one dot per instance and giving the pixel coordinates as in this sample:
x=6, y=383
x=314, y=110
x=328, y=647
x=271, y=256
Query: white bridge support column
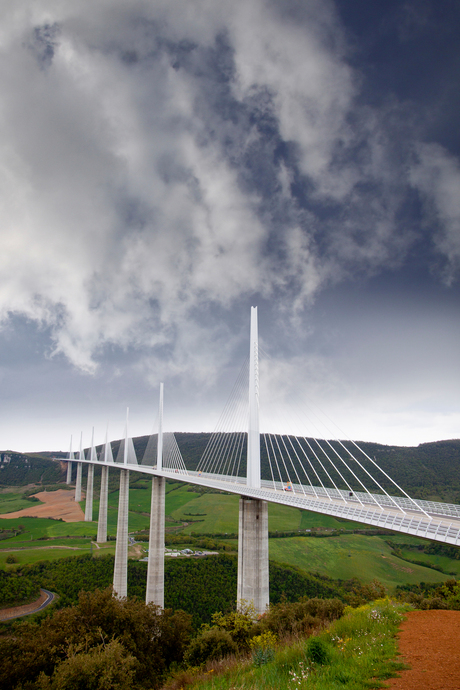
x=90, y=484
x=81, y=456
x=89, y=494
x=78, y=482
x=155, y=592
x=120, y=572
x=253, y=582
x=69, y=464
x=103, y=500
x=106, y=457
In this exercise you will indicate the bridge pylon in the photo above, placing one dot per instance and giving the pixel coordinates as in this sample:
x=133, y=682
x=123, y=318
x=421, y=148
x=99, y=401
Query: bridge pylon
x=90, y=484
x=69, y=464
x=120, y=571
x=106, y=456
x=79, y=472
x=156, y=566
x=253, y=581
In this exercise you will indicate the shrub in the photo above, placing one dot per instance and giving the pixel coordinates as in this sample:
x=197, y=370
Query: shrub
x=263, y=648
x=317, y=651
x=434, y=603
x=154, y=637
x=11, y=559
x=105, y=666
x=301, y=617
x=239, y=624
x=208, y=645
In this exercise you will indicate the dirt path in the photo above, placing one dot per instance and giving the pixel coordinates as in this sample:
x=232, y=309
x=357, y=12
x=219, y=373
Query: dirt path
x=429, y=643
x=56, y=504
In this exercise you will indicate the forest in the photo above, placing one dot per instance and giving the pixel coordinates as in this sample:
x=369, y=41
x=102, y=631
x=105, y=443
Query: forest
x=198, y=586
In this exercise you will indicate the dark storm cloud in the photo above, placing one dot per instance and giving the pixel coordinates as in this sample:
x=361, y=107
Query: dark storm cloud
x=164, y=164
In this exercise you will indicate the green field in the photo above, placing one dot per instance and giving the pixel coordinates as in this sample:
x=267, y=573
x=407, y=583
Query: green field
x=221, y=513
x=65, y=542
x=310, y=520
x=177, y=498
x=449, y=565
x=344, y=557
x=46, y=527
x=10, y=503
x=44, y=554
x=350, y=556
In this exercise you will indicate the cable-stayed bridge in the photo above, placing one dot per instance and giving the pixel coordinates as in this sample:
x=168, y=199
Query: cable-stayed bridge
x=335, y=477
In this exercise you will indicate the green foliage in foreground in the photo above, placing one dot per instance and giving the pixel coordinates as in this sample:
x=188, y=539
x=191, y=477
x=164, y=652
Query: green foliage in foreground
x=356, y=652
x=102, y=642
x=241, y=630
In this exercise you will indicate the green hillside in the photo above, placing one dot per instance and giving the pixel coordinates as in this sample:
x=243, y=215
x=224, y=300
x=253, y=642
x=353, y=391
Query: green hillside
x=351, y=555
x=430, y=470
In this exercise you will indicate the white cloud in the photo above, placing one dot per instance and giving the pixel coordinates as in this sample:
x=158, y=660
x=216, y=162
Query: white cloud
x=437, y=176
x=128, y=200
x=300, y=61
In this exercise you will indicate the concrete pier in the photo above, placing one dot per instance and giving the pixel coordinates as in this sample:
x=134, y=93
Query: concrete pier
x=120, y=573
x=89, y=494
x=253, y=581
x=78, y=482
x=103, y=500
x=156, y=564
x=69, y=473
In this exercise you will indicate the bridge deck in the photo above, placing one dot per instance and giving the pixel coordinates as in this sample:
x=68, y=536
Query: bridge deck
x=426, y=519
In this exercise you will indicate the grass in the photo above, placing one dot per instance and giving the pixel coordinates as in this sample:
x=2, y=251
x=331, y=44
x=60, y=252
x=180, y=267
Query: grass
x=68, y=542
x=27, y=556
x=221, y=513
x=45, y=527
x=310, y=520
x=449, y=565
x=359, y=651
x=350, y=556
x=10, y=503
x=177, y=498
x=283, y=518
x=339, y=557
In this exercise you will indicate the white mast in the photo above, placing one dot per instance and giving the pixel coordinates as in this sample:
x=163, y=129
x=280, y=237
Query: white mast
x=160, y=432
x=125, y=454
x=253, y=468
x=108, y=456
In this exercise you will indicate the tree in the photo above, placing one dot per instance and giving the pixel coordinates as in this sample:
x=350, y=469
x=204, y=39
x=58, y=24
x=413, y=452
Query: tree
x=102, y=668
x=153, y=637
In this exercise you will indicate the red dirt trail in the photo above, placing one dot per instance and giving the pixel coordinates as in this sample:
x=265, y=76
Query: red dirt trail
x=429, y=641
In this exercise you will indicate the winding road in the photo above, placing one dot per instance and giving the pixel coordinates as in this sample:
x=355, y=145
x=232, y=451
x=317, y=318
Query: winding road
x=16, y=611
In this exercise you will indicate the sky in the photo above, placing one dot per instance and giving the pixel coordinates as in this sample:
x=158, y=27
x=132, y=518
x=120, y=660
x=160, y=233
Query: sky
x=166, y=165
